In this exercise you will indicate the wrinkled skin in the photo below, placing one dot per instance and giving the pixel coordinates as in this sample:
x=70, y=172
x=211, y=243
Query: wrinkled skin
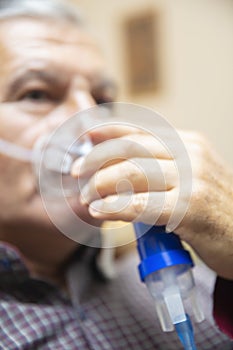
x=45, y=77
x=207, y=222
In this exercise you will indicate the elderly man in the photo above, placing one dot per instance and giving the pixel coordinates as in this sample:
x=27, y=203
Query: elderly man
x=51, y=294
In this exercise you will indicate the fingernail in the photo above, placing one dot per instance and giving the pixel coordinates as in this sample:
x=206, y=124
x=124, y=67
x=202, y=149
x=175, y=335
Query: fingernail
x=168, y=229
x=76, y=169
x=84, y=195
x=95, y=208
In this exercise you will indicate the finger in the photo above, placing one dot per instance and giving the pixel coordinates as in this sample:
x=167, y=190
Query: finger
x=134, y=175
x=171, y=142
x=103, y=133
x=113, y=151
x=150, y=208
x=106, y=132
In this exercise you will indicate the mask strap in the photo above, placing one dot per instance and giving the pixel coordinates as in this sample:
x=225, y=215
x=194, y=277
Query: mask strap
x=14, y=151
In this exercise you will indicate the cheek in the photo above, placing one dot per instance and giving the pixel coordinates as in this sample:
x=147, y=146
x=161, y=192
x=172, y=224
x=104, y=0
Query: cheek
x=17, y=185
x=12, y=122
x=20, y=127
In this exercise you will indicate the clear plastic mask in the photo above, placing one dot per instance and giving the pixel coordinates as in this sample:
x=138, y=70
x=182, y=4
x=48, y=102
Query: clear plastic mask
x=53, y=155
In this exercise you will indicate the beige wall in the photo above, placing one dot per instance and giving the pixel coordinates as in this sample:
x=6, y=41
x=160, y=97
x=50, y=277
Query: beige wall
x=196, y=60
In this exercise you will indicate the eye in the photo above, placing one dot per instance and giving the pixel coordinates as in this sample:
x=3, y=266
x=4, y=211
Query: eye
x=36, y=95
x=104, y=92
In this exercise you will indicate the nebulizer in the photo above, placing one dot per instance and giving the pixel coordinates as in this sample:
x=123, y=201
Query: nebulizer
x=165, y=266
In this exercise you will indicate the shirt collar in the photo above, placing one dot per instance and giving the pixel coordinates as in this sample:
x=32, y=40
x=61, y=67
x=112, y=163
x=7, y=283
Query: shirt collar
x=80, y=272
x=12, y=266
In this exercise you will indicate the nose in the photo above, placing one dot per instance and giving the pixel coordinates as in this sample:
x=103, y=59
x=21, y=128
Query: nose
x=78, y=98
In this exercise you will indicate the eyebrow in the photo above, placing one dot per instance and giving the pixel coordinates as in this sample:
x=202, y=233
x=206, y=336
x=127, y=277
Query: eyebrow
x=49, y=77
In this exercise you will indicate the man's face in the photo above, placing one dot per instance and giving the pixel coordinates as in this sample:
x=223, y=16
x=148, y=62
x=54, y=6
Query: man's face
x=48, y=71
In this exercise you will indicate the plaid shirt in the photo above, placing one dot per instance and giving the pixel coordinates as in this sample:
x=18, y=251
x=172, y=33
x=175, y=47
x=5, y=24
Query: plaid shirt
x=118, y=314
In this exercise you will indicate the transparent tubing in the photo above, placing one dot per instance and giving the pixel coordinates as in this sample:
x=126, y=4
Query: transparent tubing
x=14, y=151
x=54, y=160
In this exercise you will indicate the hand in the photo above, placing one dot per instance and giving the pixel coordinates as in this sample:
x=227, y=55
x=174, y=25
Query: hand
x=134, y=177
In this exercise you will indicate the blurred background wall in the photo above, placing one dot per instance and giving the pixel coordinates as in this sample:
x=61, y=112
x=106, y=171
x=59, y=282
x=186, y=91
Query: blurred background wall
x=194, y=50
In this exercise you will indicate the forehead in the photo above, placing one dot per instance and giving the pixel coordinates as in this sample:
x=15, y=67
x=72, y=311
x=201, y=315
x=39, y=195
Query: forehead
x=36, y=42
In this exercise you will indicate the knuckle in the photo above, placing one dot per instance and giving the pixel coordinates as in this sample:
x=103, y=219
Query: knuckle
x=139, y=203
x=131, y=170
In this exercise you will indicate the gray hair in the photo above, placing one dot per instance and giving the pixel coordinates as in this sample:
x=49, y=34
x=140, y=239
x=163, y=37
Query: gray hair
x=53, y=9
